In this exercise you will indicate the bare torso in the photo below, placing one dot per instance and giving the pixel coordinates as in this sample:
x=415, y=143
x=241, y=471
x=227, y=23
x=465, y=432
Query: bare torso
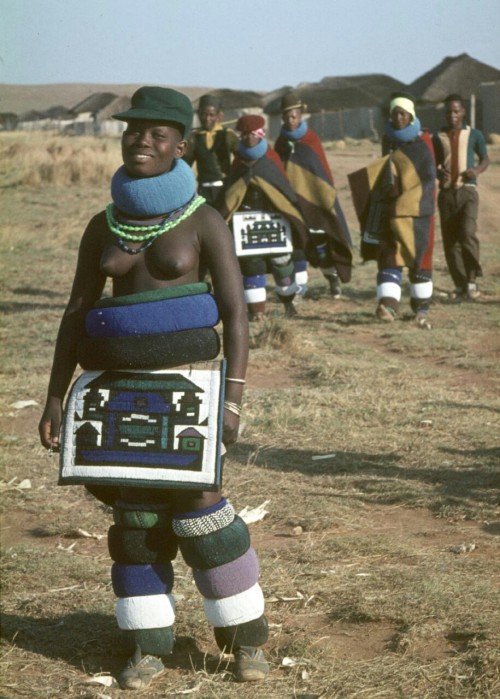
x=172, y=259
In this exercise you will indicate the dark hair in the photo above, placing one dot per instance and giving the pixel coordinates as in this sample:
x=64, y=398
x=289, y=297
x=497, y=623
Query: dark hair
x=454, y=97
x=210, y=101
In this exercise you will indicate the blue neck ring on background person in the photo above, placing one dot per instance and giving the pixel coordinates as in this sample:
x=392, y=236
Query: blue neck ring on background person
x=409, y=133
x=297, y=133
x=253, y=152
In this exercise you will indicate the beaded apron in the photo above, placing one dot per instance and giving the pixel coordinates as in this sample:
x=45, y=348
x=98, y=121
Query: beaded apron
x=152, y=429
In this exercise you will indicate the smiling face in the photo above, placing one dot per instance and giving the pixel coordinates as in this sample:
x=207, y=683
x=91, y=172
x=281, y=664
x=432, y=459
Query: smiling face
x=400, y=118
x=149, y=147
x=209, y=116
x=292, y=118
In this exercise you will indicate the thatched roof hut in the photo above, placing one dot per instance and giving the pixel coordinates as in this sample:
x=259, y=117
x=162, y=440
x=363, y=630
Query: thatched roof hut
x=235, y=99
x=378, y=85
x=461, y=74
x=95, y=103
x=93, y=114
x=333, y=94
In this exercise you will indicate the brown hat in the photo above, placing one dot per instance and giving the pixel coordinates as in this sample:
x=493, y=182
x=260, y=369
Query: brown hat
x=250, y=122
x=291, y=101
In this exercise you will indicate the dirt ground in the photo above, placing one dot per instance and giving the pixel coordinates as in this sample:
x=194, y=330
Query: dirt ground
x=410, y=527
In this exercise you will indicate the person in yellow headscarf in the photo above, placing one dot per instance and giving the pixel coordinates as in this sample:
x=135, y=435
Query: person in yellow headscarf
x=394, y=198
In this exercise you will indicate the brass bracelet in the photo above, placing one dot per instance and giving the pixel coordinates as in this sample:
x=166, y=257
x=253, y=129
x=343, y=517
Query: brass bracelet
x=232, y=407
x=242, y=381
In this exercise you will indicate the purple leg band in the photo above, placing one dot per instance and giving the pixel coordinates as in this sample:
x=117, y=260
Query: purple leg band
x=228, y=579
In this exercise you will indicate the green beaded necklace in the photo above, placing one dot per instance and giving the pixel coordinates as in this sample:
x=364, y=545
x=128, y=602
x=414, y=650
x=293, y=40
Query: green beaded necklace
x=122, y=230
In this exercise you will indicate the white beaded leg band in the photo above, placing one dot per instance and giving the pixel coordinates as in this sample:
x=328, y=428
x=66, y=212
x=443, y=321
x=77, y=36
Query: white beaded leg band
x=206, y=524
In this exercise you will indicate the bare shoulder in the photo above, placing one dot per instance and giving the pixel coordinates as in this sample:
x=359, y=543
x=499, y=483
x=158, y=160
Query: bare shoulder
x=208, y=221
x=208, y=214
x=97, y=225
x=216, y=242
x=97, y=233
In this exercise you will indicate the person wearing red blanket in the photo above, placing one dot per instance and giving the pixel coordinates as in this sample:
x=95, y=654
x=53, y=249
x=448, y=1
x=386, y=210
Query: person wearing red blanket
x=302, y=154
x=258, y=182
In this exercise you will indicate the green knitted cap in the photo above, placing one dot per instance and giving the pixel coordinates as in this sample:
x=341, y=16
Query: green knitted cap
x=160, y=103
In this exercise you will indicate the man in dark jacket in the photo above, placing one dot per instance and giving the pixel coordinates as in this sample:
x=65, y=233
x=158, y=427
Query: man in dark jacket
x=211, y=147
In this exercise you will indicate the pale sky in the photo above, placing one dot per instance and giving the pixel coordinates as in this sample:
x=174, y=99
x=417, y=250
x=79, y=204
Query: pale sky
x=256, y=45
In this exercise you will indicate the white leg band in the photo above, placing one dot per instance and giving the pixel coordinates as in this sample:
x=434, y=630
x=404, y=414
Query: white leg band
x=421, y=291
x=302, y=277
x=146, y=612
x=255, y=295
x=389, y=290
x=238, y=609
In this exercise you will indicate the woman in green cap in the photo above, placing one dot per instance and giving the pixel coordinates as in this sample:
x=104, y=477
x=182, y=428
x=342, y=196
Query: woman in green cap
x=151, y=241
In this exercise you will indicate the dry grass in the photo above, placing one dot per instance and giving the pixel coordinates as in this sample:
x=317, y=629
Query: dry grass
x=39, y=160
x=376, y=446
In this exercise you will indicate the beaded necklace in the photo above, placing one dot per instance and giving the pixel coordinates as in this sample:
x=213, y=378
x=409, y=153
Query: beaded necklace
x=135, y=251
x=153, y=231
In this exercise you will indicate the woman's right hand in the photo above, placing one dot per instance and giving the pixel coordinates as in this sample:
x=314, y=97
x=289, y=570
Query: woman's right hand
x=50, y=423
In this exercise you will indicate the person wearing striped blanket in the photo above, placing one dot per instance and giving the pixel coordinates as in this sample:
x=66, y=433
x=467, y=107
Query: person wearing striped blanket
x=304, y=160
x=405, y=219
x=258, y=182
